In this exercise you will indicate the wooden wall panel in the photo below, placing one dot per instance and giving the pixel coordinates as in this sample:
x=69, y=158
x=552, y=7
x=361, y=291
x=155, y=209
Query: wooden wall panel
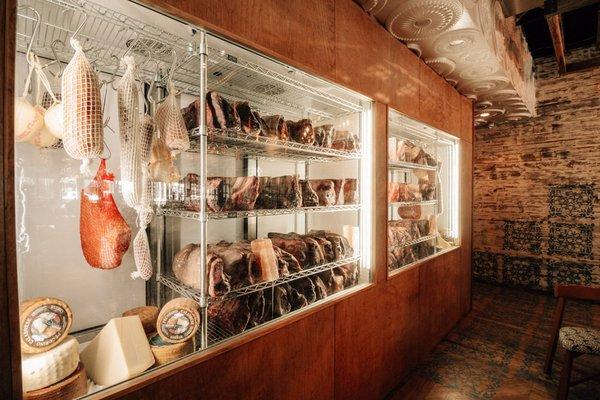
x=362, y=50
x=295, y=362
x=380, y=113
x=466, y=119
x=404, y=68
x=439, y=296
x=466, y=212
x=376, y=338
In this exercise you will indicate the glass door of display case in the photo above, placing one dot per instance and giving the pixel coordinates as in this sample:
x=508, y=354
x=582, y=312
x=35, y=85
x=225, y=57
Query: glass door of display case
x=423, y=202
x=174, y=190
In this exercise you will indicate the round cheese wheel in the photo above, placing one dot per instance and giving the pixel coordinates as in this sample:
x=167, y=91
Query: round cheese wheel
x=72, y=387
x=165, y=352
x=53, y=119
x=178, y=320
x=45, y=369
x=148, y=315
x=44, y=323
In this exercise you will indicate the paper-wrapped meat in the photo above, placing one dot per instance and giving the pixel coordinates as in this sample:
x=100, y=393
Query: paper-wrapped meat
x=105, y=236
x=82, y=109
x=170, y=122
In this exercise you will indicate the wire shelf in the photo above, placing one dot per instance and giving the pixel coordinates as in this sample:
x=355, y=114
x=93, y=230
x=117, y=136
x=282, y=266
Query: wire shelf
x=173, y=283
x=181, y=213
x=403, y=165
x=412, y=203
x=232, y=142
x=217, y=334
x=413, y=242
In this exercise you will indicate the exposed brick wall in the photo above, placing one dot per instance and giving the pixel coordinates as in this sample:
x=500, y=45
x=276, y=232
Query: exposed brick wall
x=537, y=184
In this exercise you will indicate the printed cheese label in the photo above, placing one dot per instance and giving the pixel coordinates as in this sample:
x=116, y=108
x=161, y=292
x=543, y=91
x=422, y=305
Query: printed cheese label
x=178, y=324
x=45, y=325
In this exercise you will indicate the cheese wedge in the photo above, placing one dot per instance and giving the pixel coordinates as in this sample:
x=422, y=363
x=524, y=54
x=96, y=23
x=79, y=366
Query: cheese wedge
x=45, y=369
x=119, y=352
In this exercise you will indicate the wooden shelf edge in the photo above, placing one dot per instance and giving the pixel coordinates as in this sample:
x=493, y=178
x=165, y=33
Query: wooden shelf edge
x=397, y=272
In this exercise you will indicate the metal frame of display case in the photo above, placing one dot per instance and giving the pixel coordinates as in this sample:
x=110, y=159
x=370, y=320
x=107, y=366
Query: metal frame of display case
x=434, y=137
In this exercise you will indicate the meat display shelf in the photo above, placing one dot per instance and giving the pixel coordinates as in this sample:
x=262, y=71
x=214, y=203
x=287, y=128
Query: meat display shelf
x=173, y=283
x=413, y=203
x=217, y=334
x=415, y=241
x=233, y=142
x=400, y=165
x=180, y=213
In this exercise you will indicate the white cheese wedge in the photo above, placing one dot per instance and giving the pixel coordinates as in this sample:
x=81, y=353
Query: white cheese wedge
x=47, y=368
x=119, y=352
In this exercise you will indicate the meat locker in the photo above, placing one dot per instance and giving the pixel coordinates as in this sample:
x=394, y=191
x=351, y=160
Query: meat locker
x=174, y=191
x=423, y=203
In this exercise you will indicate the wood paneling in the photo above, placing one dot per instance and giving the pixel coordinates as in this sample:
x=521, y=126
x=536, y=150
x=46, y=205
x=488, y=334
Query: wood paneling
x=295, y=362
x=466, y=212
x=362, y=50
x=10, y=362
x=404, y=68
x=376, y=338
x=439, y=296
x=379, y=252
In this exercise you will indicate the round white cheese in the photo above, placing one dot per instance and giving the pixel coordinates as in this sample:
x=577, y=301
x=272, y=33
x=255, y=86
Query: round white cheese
x=47, y=368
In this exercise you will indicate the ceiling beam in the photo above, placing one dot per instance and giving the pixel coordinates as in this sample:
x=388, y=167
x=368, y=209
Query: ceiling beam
x=558, y=40
x=563, y=6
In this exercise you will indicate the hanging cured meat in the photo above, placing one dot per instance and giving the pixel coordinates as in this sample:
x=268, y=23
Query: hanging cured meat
x=82, y=109
x=104, y=234
x=171, y=123
x=162, y=168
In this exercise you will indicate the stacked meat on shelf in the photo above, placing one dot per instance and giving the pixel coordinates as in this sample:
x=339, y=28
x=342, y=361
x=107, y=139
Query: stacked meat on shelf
x=233, y=267
x=238, y=119
x=407, y=196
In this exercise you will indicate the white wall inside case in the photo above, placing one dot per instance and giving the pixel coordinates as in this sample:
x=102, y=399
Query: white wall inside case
x=50, y=261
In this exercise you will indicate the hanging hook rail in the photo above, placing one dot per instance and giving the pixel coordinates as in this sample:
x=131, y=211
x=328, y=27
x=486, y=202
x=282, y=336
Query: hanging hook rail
x=36, y=27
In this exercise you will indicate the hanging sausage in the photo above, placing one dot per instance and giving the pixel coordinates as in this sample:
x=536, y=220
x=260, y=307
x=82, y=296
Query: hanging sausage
x=82, y=109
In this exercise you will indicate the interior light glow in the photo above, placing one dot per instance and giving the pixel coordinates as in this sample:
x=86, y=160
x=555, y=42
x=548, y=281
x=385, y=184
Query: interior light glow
x=367, y=193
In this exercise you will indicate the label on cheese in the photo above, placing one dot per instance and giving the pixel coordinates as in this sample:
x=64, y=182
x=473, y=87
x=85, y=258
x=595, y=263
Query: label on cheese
x=44, y=323
x=179, y=324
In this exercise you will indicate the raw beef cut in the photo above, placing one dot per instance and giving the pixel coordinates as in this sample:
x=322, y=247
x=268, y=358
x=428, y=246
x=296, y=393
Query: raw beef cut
x=306, y=249
x=286, y=262
x=306, y=287
x=351, y=195
x=302, y=131
x=345, y=140
x=276, y=127
x=256, y=305
x=239, y=262
x=325, y=190
x=217, y=194
x=281, y=192
x=296, y=299
x=320, y=289
x=244, y=193
x=309, y=196
x=191, y=115
x=324, y=136
x=104, y=234
x=222, y=114
x=232, y=315
x=248, y=122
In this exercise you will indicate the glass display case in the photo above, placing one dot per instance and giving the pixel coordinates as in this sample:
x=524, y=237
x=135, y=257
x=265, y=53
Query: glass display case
x=174, y=190
x=423, y=198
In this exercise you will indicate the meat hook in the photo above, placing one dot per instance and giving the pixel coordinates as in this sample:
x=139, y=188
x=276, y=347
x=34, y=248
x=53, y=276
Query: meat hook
x=35, y=31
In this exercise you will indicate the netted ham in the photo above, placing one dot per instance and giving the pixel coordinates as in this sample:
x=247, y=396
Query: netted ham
x=129, y=135
x=302, y=131
x=220, y=114
x=141, y=246
x=162, y=168
x=170, y=122
x=82, y=109
x=104, y=234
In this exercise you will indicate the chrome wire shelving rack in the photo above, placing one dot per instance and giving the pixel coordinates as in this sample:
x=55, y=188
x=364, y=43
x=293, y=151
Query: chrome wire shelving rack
x=412, y=203
x=413, y=242
x=194, y=215
x=403, y=165
x=172, y=282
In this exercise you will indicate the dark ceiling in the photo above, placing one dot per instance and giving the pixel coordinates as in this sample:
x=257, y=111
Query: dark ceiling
x=579, y=26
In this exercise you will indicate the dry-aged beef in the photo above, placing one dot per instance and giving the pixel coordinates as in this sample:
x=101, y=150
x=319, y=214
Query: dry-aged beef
x=248, y=121
x=306, y=249
x=244, y=193
x=256, y=306
x=309, y=196
x=340, y=245
x=324, y=135
x=403, y=192
x=427, y=189
x=281, y=192
x=186, y=267
x=232, y=315
x=217, y=194
x=302, y=131
x=326, y=247
x=349, y=272
x=264, y=129
x=287, y=263
x=277, y=128
x=338, y=185
x=279, y=304
x=191, y=115
x=238, y=262
x=191, y=192
x=344, y=140
x=320, y=289
x=325, y=190
x=351, y=195
x=306, y=287
x=222, y=114
x=296, y=299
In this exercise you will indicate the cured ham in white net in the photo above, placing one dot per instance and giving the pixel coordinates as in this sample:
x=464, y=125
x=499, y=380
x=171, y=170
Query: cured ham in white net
x=171, y=124
x=82, y=109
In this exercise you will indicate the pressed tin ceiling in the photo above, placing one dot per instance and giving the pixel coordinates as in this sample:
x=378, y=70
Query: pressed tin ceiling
x=472, y=45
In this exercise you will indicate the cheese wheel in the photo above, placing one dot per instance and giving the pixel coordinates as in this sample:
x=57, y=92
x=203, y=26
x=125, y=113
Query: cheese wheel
x=45, y=369
x=148, y=315
x=44, y=323
x=178, y=320
x=72, y=387
x=165, y=352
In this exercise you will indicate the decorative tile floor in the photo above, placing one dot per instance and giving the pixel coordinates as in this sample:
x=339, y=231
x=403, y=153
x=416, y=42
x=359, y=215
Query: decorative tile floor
x=498, y=350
